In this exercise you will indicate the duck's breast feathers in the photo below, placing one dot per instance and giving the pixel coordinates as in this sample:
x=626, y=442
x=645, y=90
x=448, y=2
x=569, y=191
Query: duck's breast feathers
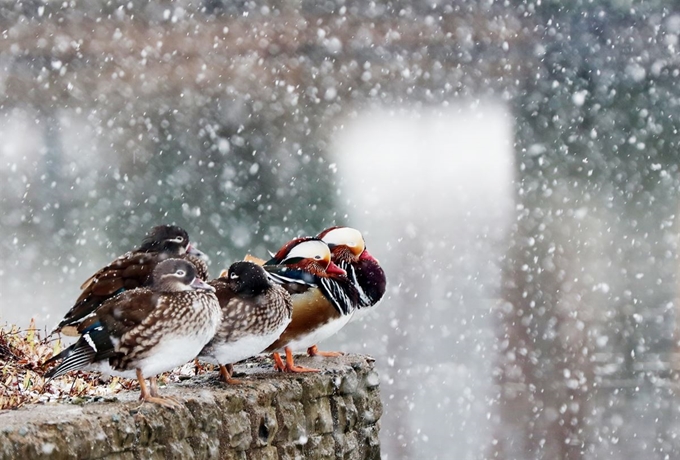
x=311, y=310
x=255, y=315
x=371, y=278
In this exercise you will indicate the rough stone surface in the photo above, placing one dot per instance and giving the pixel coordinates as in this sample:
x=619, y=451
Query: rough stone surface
x=332, y=414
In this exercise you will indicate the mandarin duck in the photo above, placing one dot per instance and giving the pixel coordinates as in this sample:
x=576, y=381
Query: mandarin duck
x=146, y=331
x=323, y=298
x=255, y=312
x=131, y=270
x=348, y=251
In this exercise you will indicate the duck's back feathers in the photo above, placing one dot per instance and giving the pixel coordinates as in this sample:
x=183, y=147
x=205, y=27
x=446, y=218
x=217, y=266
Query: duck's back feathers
x=129, y=271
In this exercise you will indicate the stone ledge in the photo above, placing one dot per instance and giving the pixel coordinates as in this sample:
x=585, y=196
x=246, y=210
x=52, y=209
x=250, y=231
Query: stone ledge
x=332, y=414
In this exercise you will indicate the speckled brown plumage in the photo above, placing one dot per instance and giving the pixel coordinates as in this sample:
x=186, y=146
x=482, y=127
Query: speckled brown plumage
x=132, y=270
x=146, y=331
x=255, y=312
x=256, y=315
x=179, y=314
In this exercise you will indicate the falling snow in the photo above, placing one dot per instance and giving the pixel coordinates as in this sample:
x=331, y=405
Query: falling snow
x=513, y=166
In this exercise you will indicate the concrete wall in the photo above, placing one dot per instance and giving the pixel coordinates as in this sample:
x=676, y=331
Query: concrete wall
x=333, y=414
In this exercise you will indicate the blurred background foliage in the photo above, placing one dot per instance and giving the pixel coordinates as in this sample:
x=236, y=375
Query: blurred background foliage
x=220, y=116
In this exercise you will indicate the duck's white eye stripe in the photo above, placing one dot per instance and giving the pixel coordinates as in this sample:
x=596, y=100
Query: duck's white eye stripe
x=233, y=276
x=344, y=236
x=310, y=250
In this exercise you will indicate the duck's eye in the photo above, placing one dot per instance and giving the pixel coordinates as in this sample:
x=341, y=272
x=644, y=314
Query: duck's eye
x=317, y=257
x=180, y=273
x=233, y=276
x=180, y=239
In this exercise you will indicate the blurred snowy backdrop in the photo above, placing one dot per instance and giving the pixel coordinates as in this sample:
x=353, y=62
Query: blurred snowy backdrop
x=514, y=165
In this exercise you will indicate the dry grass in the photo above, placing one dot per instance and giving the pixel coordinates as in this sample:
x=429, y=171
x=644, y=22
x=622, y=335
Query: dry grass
x=22, y=381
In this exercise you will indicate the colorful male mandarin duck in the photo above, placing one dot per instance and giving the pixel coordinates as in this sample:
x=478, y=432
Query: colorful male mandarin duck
x=255, y=312
x=348, y=251
x=131, y=270
x=146, y=331
x=324, y=299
